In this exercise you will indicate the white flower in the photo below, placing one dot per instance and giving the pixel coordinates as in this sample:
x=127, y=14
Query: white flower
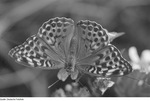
x=103, y=84
x=140, y=63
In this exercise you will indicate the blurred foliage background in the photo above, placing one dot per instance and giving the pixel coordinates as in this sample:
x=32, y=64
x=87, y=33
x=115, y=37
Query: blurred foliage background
x=20, y=19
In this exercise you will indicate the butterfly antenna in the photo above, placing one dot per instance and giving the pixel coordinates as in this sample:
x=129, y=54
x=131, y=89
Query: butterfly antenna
x=137, y=79
x=53, y=84
x=82, y=85
x=132, y=78
x=79, y=77
x=78, y=80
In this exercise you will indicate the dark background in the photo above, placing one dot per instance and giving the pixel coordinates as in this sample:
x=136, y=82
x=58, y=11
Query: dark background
x=19, y=19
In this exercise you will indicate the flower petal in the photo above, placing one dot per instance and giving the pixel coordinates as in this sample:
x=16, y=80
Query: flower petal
x=145, y=56
x=136, y=66
x=109, y=84
x=133, y=54
x=103, y=84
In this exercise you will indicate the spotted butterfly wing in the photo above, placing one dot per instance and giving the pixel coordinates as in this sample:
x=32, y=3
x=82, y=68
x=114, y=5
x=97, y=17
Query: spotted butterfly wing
x=98, y=56
x=30, y=53
x=57, y=34
x=106, y=62
x=90, y=37
x=46, y=49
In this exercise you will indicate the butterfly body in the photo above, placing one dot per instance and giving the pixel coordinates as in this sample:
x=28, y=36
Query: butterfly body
x=84, y=47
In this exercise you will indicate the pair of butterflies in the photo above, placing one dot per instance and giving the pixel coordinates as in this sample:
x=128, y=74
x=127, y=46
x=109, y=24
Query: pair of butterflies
x=73, y=48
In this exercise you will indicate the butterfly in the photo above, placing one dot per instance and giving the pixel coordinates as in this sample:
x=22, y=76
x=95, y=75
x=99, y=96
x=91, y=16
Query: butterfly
x=72, y=48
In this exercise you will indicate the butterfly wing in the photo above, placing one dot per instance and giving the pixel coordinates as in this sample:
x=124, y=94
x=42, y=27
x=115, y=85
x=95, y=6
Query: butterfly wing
x=48, y=48
x=96, y=56
x=91, y=37
x=57, y=34
x=106, y=62
x=31, y=53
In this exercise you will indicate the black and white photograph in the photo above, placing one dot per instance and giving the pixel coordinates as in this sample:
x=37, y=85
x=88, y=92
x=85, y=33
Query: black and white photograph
x=74, y=48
